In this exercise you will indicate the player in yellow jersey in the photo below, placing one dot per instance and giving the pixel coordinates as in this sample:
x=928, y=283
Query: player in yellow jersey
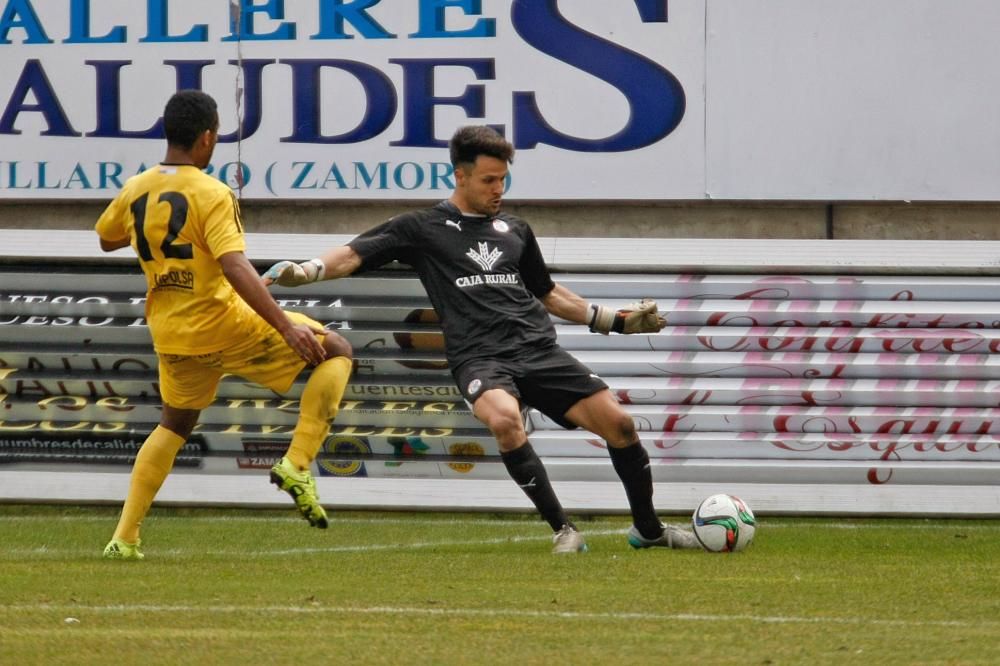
x=210, y=315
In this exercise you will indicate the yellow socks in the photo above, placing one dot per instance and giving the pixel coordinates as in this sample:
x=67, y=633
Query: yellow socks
x=152, y=464
x=319, y=405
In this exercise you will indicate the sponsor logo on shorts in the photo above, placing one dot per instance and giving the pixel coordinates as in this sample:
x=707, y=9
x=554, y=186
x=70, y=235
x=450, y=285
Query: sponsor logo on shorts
x=474, y=387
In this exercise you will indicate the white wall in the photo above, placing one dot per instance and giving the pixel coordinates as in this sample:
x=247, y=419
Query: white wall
x=853, y=99
x=782, y=99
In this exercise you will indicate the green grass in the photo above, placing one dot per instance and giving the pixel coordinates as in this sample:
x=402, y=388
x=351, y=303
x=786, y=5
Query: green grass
x=251, y=587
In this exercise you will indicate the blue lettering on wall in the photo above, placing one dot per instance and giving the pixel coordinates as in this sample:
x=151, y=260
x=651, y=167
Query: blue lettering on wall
x=79, y=27
x=241, y=26
x=157, y=26
x=12, y=178
x=109, y=103
x=655, y=98
x=368, y=178
x=408, y=176
x=333, y=13
x=418, y=91
x=304, y=169
x=380, y=97
x=334, y=176
x=432, y=23
x=78, y=179
x=654, y=95
x=110, y=174
x=253, y=103
x=42, y=178
x=234, y=174
x=20, y=14
x=442, y=176
x=189, y=72
x=33, y=80
x=301, y=175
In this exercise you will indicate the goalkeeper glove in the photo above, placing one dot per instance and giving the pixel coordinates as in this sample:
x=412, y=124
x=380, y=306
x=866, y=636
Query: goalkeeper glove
x=291, y=274
x=641, y=317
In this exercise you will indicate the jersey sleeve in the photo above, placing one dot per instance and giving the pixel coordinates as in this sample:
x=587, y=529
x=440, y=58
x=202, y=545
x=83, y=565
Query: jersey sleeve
x=111, y=224
x=223, y=226
x=389, y=241
x=534, y=272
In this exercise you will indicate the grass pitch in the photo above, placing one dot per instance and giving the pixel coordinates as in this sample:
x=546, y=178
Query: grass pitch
x=242, y=587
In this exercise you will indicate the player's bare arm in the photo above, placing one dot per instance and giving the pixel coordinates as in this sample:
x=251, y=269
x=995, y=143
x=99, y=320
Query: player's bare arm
x=566, y=304
x=242, y=275
x=335, y=263
x=641, y=317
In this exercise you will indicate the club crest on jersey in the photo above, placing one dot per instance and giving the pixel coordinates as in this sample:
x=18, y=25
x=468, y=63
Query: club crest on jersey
x=474, y=387
x=501, y=226
x=485, y=257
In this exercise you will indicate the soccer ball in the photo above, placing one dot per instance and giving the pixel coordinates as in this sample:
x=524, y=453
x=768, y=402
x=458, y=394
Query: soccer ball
x=723, y=523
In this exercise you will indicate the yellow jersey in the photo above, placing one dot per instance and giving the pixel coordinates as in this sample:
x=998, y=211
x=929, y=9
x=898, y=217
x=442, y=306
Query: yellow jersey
x=179, y=221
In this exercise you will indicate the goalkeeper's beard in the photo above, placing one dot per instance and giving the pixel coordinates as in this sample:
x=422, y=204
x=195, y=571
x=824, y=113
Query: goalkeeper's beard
x=491, y=207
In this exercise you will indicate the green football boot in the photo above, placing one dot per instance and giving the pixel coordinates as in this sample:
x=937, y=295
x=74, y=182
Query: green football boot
x=302, y=487
x=122, y=550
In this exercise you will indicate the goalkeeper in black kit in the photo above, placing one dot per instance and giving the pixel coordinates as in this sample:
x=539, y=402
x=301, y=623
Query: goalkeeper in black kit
x=492, y=291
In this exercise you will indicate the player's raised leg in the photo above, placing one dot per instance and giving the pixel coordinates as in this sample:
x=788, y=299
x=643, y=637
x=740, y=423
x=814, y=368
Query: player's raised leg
x=318, y=407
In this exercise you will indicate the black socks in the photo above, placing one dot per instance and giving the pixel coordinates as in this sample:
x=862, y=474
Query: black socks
x=527, y=470
x=632, y=465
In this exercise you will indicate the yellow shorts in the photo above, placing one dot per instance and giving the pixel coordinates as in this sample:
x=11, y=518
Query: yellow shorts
x=191, y=382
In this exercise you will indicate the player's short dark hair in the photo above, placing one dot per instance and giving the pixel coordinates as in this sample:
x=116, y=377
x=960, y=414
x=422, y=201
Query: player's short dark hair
x=189, y=113
x=470, y=142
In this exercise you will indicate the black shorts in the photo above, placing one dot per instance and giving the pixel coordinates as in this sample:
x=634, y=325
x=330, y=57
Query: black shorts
x=551, y=380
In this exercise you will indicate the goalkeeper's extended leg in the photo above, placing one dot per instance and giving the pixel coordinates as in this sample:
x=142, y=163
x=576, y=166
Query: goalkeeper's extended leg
x=152, y=465
x=632, y=465
x=319, y=406
x=602, y=415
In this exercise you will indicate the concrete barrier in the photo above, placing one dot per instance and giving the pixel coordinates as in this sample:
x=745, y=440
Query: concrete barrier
x=801, y=378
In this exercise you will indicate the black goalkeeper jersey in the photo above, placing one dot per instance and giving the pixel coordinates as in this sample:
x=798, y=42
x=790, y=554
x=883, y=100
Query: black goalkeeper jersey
x=484, y=276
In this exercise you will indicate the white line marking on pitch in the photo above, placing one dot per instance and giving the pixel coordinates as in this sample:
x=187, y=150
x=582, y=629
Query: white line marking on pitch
x=480, y=612
x=291, y=518
x=53, y=552
x=424, y=544
x=883, y=524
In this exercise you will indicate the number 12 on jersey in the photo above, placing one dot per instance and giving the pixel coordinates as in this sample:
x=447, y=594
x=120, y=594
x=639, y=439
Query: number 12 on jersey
x=174, y=223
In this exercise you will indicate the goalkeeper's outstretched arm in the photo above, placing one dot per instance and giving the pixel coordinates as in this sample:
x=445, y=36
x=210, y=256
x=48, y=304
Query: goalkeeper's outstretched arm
x=336, y=263
x=641, y=317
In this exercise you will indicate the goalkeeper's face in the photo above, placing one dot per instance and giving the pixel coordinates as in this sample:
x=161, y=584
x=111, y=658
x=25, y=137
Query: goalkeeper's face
x=479, y=187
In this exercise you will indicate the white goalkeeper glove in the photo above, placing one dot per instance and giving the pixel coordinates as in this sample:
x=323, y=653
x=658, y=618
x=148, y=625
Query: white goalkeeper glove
x=291, y=274
x=641, y=317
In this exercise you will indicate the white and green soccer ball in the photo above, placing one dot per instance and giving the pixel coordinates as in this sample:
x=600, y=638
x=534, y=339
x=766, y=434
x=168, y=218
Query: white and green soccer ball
x=724, y=523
